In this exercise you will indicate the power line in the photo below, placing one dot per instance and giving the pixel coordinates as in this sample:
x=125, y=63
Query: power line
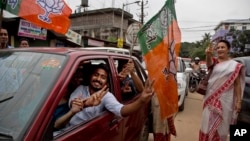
x=200, y=26
x=198, y=30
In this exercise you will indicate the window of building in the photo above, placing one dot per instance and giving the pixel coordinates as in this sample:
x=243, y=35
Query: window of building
x=244, y=27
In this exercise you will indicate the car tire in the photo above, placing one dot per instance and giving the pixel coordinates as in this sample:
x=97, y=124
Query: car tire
x=181, y=108
x=145, y=131
x=186, y=91
x=193, y=86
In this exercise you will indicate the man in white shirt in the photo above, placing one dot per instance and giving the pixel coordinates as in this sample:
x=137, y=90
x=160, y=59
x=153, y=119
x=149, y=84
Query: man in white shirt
x=98, y=80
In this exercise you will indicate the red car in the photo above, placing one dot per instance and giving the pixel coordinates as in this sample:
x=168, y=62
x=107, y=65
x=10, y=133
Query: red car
x=34, y=80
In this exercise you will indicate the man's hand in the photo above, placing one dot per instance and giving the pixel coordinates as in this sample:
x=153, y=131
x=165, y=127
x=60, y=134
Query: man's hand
x=147, y=92
x=95, y=99
x=76, y=105
x=128, y=69
x=238, y=106
x=130, y=65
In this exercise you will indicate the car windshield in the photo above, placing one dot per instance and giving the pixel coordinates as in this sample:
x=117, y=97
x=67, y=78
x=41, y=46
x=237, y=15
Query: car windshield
x=26, y=79
x=247, y=67
x=203, y=66
x=187, y=62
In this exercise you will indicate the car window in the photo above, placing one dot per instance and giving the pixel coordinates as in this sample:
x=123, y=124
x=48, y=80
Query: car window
x=140, y=71
x=128, y=83
x=203, y=66
x=187, y=62
x=80, y=77
x=247, y=62
x=180, y=67
x=26, y=79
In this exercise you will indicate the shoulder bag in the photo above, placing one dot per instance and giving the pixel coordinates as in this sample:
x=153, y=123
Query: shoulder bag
x=202, y=86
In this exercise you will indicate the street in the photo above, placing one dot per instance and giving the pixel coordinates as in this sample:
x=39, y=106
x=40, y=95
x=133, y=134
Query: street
x=188, y=122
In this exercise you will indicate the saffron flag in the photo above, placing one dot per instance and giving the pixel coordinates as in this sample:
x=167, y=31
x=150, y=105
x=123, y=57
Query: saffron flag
x=49, y=14
x=160, y=40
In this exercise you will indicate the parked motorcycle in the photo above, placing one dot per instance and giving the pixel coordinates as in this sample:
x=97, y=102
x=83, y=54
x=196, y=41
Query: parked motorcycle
x=193, y=82
x=195, y=78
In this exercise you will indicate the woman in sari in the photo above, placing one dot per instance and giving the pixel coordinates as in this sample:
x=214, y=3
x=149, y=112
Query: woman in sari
x=222, y=101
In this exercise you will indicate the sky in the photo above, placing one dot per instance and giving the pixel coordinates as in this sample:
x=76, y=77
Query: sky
x=195, y=17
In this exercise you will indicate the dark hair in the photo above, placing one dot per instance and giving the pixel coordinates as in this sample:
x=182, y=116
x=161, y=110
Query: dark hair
x=226, y=42
x=100, y=66
x=5, y=29
x=121, y=63
x=23, y=39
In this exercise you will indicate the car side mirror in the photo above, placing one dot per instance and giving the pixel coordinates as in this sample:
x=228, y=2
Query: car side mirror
x=188, y=70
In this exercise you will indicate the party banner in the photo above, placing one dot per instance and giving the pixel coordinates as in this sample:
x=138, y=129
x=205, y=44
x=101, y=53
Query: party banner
x=49, y=14
x=160, y=40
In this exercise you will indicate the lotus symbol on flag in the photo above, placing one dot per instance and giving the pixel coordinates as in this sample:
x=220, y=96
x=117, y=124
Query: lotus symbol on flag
x=50, y=6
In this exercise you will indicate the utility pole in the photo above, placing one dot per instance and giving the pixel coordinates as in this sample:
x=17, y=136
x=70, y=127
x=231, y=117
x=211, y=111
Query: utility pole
x=120, y=40
x=142, y=15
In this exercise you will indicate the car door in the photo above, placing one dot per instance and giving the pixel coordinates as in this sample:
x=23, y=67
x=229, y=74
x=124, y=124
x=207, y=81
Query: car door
x=244, y=115
x=133, y=124
x=106, y=126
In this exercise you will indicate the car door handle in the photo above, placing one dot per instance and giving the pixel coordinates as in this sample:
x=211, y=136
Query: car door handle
x=113, y=122
x=114, y=125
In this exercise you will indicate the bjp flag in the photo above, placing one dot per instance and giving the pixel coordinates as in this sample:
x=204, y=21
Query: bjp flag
x=160, y=40
x=49, y=14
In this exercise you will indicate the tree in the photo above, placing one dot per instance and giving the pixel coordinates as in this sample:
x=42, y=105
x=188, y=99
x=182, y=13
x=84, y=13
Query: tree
x=197, y=49
x=240, y=39
x=206, y=38
x=112, y=39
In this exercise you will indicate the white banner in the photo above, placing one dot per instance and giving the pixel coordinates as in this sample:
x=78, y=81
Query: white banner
x=27, y=29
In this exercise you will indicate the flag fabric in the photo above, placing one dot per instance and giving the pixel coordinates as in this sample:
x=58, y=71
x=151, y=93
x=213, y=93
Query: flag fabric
x=160, y=40
x=49, y=14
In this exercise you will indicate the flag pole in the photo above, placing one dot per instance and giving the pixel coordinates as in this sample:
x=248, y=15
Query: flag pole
x=1, y=14
x=3, y=2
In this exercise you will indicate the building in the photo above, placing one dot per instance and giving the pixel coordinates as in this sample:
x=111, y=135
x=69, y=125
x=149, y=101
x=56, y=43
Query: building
x=38, y=37
x=223, y=28
x=103, y=24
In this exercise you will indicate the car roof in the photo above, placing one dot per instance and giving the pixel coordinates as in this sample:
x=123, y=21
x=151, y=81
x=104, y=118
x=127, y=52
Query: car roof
x=68, y=51
x=186, y=58
x=109, y=49
x=242, y=58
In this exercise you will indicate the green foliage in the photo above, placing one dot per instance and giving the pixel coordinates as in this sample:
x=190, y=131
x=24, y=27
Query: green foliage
x=240, y=38
x=112, y=39
x=197, y=49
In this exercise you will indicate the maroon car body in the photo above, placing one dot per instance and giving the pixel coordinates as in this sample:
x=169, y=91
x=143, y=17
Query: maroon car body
x=40, y=78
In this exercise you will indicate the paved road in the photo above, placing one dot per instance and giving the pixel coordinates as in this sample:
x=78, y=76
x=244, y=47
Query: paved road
x=188, y=121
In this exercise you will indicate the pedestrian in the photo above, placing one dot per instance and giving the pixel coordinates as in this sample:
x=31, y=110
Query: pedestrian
x=4, y=38
x=23, y=42
x=222, y=101
x=162, y=128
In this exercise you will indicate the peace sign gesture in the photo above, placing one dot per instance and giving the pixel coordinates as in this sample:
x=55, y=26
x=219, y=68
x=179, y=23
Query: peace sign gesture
x=147, y=92
x=209, y=49
x=95, y=98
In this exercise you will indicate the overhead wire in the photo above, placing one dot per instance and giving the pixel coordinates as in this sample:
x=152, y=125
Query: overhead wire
x=195, y=29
